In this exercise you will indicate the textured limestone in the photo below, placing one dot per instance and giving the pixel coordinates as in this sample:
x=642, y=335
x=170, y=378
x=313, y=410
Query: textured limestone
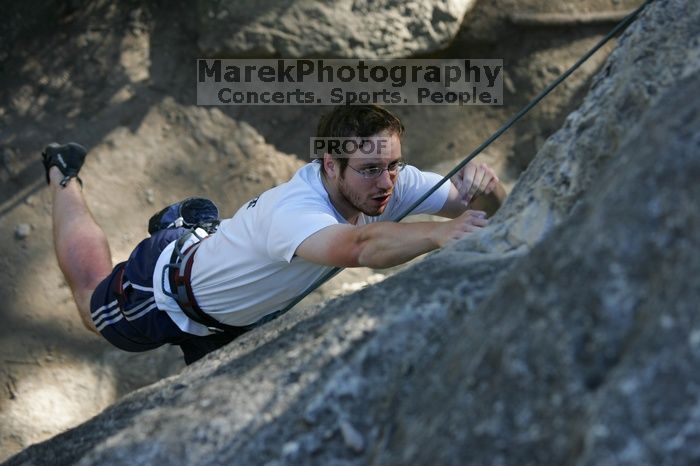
x=586, y=352
x=650, y=59
x=343, y=29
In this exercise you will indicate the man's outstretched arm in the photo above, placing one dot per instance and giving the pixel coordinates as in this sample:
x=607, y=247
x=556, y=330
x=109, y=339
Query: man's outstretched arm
x=384, y=244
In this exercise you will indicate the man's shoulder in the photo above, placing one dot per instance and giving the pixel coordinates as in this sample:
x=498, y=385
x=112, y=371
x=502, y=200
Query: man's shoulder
x=411, y=173
x=304, y=185
x=303, y=192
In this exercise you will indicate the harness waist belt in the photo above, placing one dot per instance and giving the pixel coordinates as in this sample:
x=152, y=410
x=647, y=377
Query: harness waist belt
x=179, y=272
x=179, y=276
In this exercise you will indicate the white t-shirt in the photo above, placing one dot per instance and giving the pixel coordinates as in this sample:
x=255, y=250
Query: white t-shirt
x=248, y=268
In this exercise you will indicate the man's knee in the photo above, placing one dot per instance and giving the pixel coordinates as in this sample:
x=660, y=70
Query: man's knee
x=82, y=301
x=88, y=323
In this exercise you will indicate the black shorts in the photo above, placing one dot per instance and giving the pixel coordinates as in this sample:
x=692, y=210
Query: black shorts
x=124, y=310
x=123, y=307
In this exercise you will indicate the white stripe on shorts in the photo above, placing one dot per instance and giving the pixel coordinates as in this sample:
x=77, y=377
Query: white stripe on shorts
x=142, y=313
x=97, y=311
x=107, y=315
x=110, y=322
x=111, y=313
x=134, y=310
x=136, y=287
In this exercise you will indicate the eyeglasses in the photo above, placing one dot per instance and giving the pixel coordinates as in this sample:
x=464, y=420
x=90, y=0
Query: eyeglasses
x=371, y=173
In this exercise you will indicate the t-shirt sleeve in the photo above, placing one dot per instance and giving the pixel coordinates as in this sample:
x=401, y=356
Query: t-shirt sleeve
x=414, y=183
x=291, y=225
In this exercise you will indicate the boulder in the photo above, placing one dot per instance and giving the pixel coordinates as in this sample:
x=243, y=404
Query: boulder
x=585, y=352
x=495, y=20
x=317, y=28
x=648, y=63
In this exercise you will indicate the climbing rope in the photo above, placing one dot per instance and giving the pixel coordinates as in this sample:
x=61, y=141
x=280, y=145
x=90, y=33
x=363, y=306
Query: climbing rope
x=621, y=26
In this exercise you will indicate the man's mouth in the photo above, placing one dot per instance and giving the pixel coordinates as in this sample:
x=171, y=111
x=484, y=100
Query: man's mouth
x=382, y=198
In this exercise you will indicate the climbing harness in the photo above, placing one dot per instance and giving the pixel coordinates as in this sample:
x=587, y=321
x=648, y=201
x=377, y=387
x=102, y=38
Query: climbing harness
x=200, y=217
x=622, y=25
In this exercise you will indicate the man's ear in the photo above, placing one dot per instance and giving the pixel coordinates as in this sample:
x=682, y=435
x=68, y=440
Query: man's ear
x=329, y=165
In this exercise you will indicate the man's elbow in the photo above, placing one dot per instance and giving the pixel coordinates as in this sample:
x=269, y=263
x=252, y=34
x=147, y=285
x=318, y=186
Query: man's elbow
x=366, y=253
x=371, y=261
x=351, y=252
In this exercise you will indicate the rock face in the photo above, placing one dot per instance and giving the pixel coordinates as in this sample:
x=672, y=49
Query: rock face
x=586, y=350
x=494, y=20
x=317, y=28
x=565, y=333
x=649, y=61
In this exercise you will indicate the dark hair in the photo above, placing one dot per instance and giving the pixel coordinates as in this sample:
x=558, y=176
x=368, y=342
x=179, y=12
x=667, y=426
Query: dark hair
x=357, y=120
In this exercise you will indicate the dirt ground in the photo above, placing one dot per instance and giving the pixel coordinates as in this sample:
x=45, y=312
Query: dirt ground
x=117, y=79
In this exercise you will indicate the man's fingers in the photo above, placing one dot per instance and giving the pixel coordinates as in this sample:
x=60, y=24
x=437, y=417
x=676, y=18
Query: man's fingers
x=491, y=186
x=474, y=218
x=491, y=179
x=459, y=184
x=488, y=180
x=480, y=179
x=473, y=180
x=472, y=213
x=480, y=222
x=467, y=181
x=468, y=222
x=475, y=213
x=489, y=175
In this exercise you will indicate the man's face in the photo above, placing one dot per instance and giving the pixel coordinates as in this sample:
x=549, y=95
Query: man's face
x=371, y=195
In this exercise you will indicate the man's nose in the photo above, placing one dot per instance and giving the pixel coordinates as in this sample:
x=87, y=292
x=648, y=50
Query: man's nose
x=385, y=180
